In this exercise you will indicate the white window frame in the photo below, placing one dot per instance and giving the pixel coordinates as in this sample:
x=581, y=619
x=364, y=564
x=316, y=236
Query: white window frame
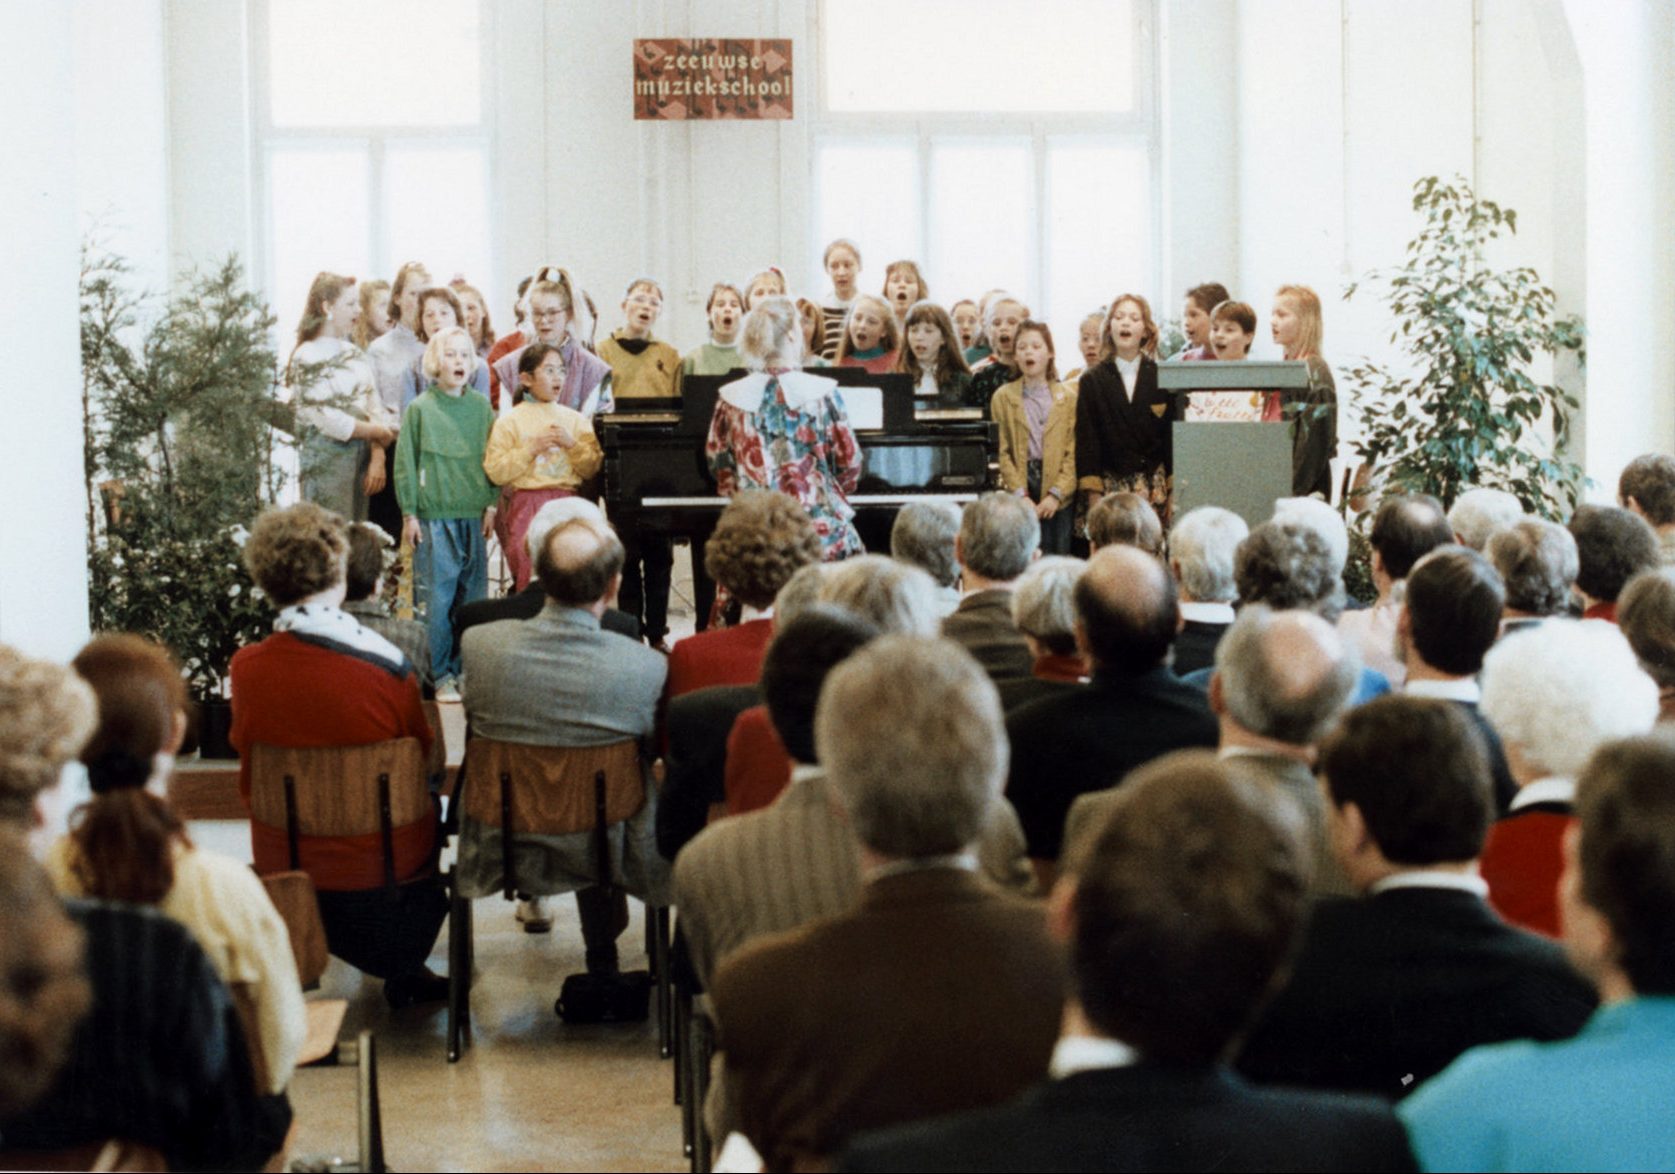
x=1139, y=126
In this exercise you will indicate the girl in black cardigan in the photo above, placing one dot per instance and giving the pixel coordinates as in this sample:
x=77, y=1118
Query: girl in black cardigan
x=1122, y=419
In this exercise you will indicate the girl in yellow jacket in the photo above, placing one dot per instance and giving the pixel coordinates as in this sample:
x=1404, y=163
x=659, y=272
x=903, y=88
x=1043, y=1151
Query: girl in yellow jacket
x=537, y=451
x=1036, y=416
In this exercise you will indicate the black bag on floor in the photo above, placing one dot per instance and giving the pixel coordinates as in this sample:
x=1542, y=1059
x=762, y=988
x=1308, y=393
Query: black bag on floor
x=605, y=998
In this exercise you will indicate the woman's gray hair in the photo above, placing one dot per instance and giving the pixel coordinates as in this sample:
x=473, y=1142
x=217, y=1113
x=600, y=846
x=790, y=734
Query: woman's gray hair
x=1201, y=548
x=1314, y=514
x=800, y=590
x=772, y=334
x=923, y=536
x=1561, y=689
x=1538, y=562
x=1044, y=602
x=896, y=597
x=1479, y=514
x=909, y=730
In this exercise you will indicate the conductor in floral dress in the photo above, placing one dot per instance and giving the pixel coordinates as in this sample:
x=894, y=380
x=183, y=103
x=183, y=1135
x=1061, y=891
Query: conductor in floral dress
x=783, y=428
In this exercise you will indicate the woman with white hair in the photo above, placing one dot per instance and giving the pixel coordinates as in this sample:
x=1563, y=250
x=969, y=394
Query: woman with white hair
x=1555, y=694
x=782, y=428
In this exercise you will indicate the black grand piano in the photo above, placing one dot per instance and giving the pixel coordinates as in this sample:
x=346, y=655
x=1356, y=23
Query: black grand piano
x=656, y=479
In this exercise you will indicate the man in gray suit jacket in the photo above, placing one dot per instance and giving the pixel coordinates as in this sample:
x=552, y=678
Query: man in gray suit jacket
x=1281, y=680
x=999, y=535
x=560, y=680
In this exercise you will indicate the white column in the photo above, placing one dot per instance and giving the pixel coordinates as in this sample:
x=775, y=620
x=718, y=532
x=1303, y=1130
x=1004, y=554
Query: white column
x=43, y=561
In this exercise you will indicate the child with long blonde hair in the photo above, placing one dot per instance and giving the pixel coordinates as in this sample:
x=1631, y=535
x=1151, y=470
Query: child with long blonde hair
x=870, y=336
x=1299, y=329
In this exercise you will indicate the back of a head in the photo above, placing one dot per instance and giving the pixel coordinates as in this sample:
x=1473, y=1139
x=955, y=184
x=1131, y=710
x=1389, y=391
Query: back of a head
x=1454, y=601
x=1650, y=481
x=1625, y=806
x=1188, y=900
x=798, y=660
x=771, y=335
x=43, y=992
x=893, y=596
x=365, y=567
x=1202, y=545
x=1560, y=690
x=998, y=534
x=1125, y=518
x=1285, y=675
x=1286, y=565
x=555, y=513
x=1044, y=602
x=800, y=591
x=47, y=713
x=1612, y=547
x=1127, y=607
x=1405, y=529
x=1418, y=769
x=910, y=734
x=923, y=536
x=1646, y=616
x=1537, y=563
x=578, y=563
x=296, y=552
x=1313, y=514
x=1479, y=514
x=762, y=538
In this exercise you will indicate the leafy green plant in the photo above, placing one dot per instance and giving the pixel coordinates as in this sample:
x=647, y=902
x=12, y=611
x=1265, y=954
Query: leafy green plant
x=180, y=417
x=1462, y=408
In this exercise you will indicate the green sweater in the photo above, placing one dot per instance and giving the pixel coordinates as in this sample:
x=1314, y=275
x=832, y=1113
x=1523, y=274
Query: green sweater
x=712, y=359
x=439, y=456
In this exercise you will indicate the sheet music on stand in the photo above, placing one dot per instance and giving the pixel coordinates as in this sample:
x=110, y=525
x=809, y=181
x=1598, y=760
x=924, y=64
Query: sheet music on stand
x=1240, y=465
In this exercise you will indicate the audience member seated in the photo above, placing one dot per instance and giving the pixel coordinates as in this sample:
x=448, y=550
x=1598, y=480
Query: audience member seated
x=1281, y=680
x=1389, y=988
x=1044, y=610
x=1448, y=620
x=1555, y=695
x=1125, y=519
x=935, y=993
x=763, y=538
x=1133, y=710
x=1647, y=488
x=894, y=596
x=1612, y=547
x=923, y=536
x=560, y=679
x=128, y=845
x=323, y=680
x=528, y=603
x=1178, y=916
x=1646, y=615
x=1325, y=522
x=1537, y=563
x=1603, y=1100
x=999, y=534
x=1405, y=529
x=363, y=598
x=1202, y=545
x=1477, y=515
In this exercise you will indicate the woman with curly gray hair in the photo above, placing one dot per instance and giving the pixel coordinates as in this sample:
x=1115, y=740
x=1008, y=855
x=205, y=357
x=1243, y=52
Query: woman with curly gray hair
x=46, y=715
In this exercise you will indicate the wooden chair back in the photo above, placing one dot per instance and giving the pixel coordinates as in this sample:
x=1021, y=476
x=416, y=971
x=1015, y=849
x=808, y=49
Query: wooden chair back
x=340, y=791
x=292, y=894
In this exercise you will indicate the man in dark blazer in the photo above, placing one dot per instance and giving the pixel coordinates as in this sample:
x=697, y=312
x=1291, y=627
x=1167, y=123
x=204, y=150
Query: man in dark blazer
x=1133, y=710
x=527, y=604
x=999, y=535
x=1449, y=619
x=1177, y=914
x=936, y=992
x=1390, y=987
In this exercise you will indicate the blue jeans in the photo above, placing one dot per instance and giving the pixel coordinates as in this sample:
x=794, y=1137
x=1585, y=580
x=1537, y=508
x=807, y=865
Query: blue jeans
x=450, y=567
x=1055, y=531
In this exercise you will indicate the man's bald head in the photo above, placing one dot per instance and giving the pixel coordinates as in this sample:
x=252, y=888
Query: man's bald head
x=1126, y=609
x=579, y=563
x=1285, y=675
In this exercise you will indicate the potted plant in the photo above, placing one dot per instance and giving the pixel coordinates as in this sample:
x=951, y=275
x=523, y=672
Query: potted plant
x=1461, y=409
x=180, y=413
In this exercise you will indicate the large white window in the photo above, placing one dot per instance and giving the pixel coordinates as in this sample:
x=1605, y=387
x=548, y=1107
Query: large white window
x=372, y=142
x=1000, y=145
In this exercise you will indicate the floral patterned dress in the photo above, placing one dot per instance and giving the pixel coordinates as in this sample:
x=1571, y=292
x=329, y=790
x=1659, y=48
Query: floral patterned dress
x=805, y=448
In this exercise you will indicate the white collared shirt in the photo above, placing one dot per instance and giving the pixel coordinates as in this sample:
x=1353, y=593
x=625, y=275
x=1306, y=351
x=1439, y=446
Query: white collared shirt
x=1432, y=878
x=1548, y=790
x=1207, y=613
x=1130, y=369
x=1086, y=1053
x=1459, y=689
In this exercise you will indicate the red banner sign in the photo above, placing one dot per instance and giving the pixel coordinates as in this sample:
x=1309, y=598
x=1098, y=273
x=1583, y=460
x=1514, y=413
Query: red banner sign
x=682, y=79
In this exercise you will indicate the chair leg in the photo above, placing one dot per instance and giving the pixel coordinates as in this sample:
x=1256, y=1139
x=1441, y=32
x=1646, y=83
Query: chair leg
x=665, y=988
x=703, y=1049
x=370, y=1112
x=459, y=975
x=683, y=1071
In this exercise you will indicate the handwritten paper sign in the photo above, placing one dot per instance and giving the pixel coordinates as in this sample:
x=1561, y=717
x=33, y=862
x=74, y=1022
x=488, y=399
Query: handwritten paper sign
x=678, y=79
